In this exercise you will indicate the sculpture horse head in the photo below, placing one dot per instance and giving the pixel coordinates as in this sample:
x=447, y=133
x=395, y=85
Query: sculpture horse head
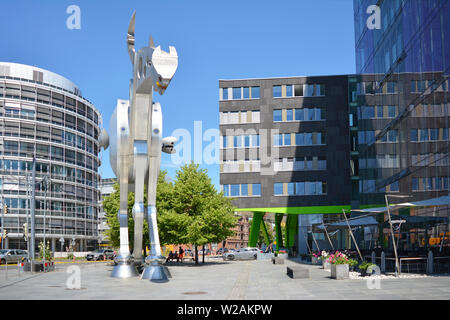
x=153, y=67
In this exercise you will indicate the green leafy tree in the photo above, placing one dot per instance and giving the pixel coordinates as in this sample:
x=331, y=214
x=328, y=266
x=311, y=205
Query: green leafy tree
x=208, y=217
x=48, y=253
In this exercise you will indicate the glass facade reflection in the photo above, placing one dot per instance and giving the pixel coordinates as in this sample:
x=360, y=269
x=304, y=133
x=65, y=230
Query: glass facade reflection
x=399, y=99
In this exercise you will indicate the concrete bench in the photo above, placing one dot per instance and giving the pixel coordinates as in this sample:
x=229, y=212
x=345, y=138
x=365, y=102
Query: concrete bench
x=295, y=272
x=277, y=260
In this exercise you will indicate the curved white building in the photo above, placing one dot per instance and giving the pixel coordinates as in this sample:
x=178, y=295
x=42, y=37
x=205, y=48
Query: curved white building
x=43, y=113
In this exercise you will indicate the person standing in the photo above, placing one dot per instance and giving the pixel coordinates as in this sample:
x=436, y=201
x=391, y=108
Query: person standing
x=180, y=253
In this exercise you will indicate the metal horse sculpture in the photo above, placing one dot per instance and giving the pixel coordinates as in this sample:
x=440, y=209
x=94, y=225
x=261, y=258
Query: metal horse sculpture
x=135, y=154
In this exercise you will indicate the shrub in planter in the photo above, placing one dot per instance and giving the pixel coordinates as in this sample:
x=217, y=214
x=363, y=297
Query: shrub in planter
x=352, y=263
x=363, y=267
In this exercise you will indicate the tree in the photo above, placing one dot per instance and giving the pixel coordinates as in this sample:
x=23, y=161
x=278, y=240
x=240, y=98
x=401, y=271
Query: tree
x=207, y=215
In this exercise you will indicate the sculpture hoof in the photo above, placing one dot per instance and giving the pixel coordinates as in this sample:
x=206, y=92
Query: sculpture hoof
x=124, y=268
x=155, y=273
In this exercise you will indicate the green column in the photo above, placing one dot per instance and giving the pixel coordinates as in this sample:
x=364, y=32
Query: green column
x=254, y=230
x=291, y=229
x=278, y=232
x=265, y=233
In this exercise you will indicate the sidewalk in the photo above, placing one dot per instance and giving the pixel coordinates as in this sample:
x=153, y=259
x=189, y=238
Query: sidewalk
x=218, y=280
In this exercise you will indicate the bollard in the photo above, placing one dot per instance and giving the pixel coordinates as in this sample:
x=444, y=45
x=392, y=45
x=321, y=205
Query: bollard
x=430, y=260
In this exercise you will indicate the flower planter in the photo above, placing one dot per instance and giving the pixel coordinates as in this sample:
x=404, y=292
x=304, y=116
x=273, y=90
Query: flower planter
x=339, y=271
x=316, y=260
x=326, y=264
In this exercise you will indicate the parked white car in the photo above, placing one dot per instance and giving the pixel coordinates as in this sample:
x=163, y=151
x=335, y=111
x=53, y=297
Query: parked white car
x=242, y=254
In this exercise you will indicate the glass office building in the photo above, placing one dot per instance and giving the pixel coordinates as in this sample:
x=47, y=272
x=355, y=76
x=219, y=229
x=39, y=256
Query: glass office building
x=400, y=112
x=44, y=114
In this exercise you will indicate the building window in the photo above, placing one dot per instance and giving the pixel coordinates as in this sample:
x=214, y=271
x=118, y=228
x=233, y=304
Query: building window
x=309, y=90
x=277, y=115
x=237, y=94
x=235, y=190
x=299, y=114
x=289, y=115
x=278, y=189
x=298, y=90
x=256, y=189
x=276, y=92
x=246, y=93
x=255, y=92
x=224, y=93
x=289, y=91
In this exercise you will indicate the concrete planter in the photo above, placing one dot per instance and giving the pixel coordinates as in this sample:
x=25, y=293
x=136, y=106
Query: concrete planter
x=283, y=255
x=326, y=264
x=339, y=271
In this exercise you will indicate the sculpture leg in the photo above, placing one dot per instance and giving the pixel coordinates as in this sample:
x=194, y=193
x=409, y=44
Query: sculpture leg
x=124, y=267
x=140, y=167
x=154, y=270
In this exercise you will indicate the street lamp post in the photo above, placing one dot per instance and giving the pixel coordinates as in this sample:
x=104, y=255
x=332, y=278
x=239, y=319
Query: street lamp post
x=61, y=241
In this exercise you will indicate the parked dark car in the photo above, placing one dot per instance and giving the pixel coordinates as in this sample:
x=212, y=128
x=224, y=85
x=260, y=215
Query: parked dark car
x=221, y=251
x=100, y=254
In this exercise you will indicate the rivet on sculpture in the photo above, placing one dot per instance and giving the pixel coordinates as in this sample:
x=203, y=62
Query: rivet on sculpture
x=135, y=154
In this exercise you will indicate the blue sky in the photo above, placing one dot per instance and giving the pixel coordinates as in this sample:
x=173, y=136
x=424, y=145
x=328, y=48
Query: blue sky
x=215, y=40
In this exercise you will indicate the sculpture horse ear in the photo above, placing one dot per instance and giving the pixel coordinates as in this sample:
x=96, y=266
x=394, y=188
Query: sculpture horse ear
x=131, y=37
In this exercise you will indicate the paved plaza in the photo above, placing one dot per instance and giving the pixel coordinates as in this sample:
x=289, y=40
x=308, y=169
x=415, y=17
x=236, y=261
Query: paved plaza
x=216, y=280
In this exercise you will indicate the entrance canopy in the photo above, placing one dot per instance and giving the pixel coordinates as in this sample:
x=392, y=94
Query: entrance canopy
x=412, y=222
x=435, y=202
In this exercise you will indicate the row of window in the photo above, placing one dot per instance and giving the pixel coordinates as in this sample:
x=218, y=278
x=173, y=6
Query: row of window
x=55, y=135
x=372, y=87
x=381, y=161
x=377, y=112
x=301, y=164
x=11, y=148
x=430, y=160
x=419, y=86
x=304, y=114
x=16, y=91
x=299, y=139
x=242, y=190
x=244, y=141
x=430, y=110
x=57, y=171
x=47, y=115
x=368, y=137
x=429, y=134
x=239, y=117
x=233, y=166
x=239, y=93
x=300, y=188
x=298, y=90
x=430, y=184
x=369, y=186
